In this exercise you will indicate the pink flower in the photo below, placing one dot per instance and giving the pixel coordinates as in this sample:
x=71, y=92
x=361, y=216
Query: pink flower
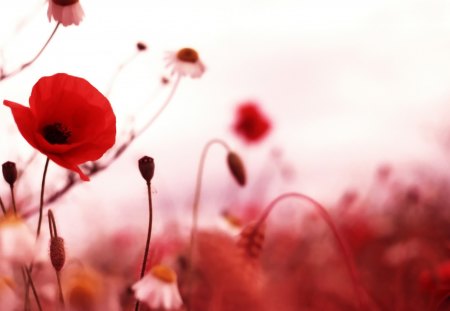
x=66, y=12
x=250, y=123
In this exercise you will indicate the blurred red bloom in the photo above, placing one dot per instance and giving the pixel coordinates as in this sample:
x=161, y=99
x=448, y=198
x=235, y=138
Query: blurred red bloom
x=251, y=124
x=69, y=121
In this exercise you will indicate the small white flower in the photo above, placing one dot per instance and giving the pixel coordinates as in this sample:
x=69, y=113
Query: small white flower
x=185, y=62
x=158, y=289
x=17, y=241
x=66, y=12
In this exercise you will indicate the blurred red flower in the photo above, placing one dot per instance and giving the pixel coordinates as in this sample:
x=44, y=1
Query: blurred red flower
x=251, y=124
x=69, y=121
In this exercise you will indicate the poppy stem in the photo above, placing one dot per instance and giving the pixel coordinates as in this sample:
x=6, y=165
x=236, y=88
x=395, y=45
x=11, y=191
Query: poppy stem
x=33, y=288
x=41, y=202
x=345, y=250
x=195, y=208
x=149, y=235
x=2, y=206
x=13, y=199
x=29, y=63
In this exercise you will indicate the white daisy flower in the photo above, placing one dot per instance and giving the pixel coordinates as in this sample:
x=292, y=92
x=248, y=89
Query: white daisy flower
x=185, y=62
x=17, y=241
x=158, y=289
x=66, y=12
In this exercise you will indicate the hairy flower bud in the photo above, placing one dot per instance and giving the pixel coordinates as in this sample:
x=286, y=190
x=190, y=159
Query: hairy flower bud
x=57, y=253
x=147, y=168
x=9, y=172
x=236, y=167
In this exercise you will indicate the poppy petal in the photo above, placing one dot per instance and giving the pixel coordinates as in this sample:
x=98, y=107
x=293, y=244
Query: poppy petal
x=25, y=121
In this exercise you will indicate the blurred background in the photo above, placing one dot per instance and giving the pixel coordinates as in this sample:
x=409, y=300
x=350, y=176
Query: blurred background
x=348, y=86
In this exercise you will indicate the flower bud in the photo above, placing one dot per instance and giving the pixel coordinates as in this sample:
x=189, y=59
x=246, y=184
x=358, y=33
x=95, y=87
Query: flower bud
x=57, y=252
x=147, y=168
x=9, y=172
x=141, y=46
x=236, y=167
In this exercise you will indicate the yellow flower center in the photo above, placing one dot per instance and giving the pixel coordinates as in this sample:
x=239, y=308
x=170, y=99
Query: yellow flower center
x=10, y=220
x=232, y=220
x=64, y=2
x=187, y=55
x=164, y=273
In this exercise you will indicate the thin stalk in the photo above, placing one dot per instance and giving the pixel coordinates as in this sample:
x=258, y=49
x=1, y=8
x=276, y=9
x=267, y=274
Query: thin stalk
x=25, y=65
x=2, y=206
x=163, y=106
x=33, y=288
x=41, y=202
x=149, y=235
x=13, y=199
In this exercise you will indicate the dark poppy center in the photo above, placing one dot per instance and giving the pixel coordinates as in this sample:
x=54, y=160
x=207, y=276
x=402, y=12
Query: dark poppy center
x=65, y=2
x=56, y=133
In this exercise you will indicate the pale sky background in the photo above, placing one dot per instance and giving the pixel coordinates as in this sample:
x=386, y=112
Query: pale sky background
x=348, y=84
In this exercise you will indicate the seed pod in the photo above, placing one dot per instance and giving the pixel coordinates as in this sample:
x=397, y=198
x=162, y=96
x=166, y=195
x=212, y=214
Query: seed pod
x=147, y=168
x=9, y=172
x=251, y=240
x=57, y=253
x=237, y=168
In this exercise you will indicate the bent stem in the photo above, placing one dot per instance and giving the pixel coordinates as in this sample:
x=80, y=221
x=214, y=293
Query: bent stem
x=29, y=63
x=195, y=207
x=345, y=251
x=41, y=202
x=149, y=235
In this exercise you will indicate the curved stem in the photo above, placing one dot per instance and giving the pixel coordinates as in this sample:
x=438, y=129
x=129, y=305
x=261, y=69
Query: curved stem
x=41, y=202
x=337, y=235
x=195, y=207
x=149, y=235
x=29, y=63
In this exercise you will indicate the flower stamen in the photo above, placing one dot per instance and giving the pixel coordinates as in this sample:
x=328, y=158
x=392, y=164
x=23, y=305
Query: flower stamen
x=56, y=133
x=164, y=273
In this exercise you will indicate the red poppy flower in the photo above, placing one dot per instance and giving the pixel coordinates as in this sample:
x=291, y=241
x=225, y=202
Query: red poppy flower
x=251, y=124
x=69, y=121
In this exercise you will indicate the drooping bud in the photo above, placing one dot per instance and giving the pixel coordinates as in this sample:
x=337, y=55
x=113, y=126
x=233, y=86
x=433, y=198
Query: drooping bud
x=57, y=253
x=237, y=168
x=9, y=172
x=147, y=168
